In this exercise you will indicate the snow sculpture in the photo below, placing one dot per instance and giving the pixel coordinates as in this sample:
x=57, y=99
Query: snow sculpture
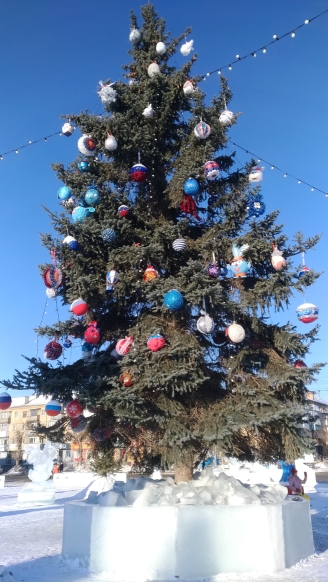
x=40, y=491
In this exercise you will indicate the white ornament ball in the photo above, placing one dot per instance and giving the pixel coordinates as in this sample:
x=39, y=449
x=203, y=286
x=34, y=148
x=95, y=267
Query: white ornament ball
x=226, y=117
x=179, y=245
x=107, y=94
x=188, y=88
x=51, y=293
x=111, y=143
x=68, y=129
x=255, y=175
x=205, y=324
x=153, y=70
x=235, y=332
x=187, y=47
x=160, y=48
x=135, y=35
x=148, y=112
x=87, y=145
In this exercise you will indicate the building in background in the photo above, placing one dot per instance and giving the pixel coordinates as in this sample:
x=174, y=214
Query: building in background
x=316, y=424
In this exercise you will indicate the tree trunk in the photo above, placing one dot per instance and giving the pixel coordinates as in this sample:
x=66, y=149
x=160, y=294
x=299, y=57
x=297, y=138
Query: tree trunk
x=183, y=473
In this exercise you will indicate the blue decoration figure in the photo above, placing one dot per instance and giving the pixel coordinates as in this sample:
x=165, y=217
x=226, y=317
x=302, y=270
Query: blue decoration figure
x=255, y=205
x=92, y=197
x=84, y=166
x=173, y=300
x=64, y=193
x=191, y=186
x=109, y=235
x=239, y=266
x=80, y=213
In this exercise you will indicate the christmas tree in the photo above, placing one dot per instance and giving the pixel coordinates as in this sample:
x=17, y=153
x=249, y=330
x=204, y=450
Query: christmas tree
x=180, y=354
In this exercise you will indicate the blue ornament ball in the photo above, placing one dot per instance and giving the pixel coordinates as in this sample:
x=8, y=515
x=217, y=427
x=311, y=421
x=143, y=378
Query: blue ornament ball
x=80, y=213
x=191, y=186
x=71, y=242
x=67, y=343
x=109, y=235
x=92, y=197
x=64, y=193
x=84, y=166
x=173, y=300
x=304, y=270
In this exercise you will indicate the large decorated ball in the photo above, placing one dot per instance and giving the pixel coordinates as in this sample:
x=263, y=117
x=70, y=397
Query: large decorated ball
x=153, y=70
x=71, y=242
x=87, y=145
x=160, y=48
x=123, y=210
x=173, y=300
x=111, y=143
x=53, y=350
x=150, y=274
x=213, y=270
x=126, y=379
x=92, y=197
x=111, y=280
x=307, y=313
x=135, y=35
x=179, y=245
x=80, y=213
x=53, y=277
x=138, y=173
x=107, y=94
x=191, y=186
x=64, y=193
x=226, y=117
x=303, y=271
x=202, y=130
x=79, y=307
x=188, y=88
x=79, y=424
x=123, y=346
x=211, y=170
x=235, y=333
x=74, y=409
x=84, y=166
x=205, y=324
x=92, y=334
x=156, y=342
x=109, y=235
x=5, y=400
x=53, y=408
x=300, y=364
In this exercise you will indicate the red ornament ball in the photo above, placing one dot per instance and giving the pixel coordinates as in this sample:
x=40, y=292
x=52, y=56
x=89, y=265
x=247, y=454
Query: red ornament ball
x=188, y=206
x=138, y=173
x=300, y=364
x=79, y=307
x=74, y=409
x=156, y=342
x=126, y=379
x=92, y=334
x=150, y=274
x=123, y=210
x=123, y=346
x=53, y=350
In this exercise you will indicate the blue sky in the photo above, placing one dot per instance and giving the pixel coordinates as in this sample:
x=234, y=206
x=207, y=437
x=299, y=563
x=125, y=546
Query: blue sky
x=53, y=55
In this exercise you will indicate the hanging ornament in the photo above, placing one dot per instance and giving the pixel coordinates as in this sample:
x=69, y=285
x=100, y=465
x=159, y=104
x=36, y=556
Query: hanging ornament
x=64, y=193
x=191, y=186
x=109, y=235
x=255, y=205
x=138, y=173
x=135, y=35
x=87, y=145
x=114, y=355
x=67, y=343
x=92, y=333
x=52, y=351
x=226, y=117
x=150, y=274
x=277, y=260
x=179, y=245
x=307, y=313
x=303, y=271
x=205, y=323
x=188, y=206
x=110, y=143
x=80, y=213
x=99, y=435
x=235, y=333
x=239, y=266
x=202, y=130
x=156, y=342
x=79, y=424
x=52, y=408
x=123, y=210
x=84, y=166
x=92, y=197
x=300, y=364
x=107, y=94
x=5, y=400
x=213, y=269
x=186, y=48
x=111, y=280
x=153, y=70
x=148, y=112
x=68, y=129
x=71, y=242
x=126, y=379
x=51, y=293
x=79, y=307
x=123, y=346
x=256, y=174
x=160, y=48
x=53, y=277
x=173, y=300
x=211, y=170
x=188, y=88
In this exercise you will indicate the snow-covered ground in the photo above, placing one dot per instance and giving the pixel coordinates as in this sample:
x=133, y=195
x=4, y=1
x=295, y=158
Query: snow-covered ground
x=30, y=543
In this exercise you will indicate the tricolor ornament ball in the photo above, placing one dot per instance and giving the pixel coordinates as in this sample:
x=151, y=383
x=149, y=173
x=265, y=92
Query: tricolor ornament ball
x=256, y=175
x=303, y=271
x=84, y=166
x=111, y=280
x=211, y=170
x=123, y=346
x=53, y=277
x=51, y=293
x=179, y=245
x=156, y=342
x=53, y=350
x=53, y=408
x=68, y=129
x=226, y=117
x=74, y=409
x=5, y=400
x=92, y=197
x=79, y=307
x=109, y=235
x=300, y=364
x=191, y=186
x=80, y=213
x=87, y=145
x=138, y=173
x=71, y=242
x=160, y=48
x=235, y=333
x=92, y=334
x=64, y=193
x=202, y=130
x=150, y=274
x=153, y=70
x=205, y=324
x=173, y=300
x=307, y=313
x=188, y=88
x=123, y=210
x=126, y=379
x=111, y=143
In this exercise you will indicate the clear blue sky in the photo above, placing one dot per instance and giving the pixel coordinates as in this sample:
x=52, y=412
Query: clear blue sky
x=53, y=55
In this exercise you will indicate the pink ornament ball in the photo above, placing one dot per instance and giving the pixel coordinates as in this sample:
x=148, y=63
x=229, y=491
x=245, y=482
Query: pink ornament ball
x=74, y=409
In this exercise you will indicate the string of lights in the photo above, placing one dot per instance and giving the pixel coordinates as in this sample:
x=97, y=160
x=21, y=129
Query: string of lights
x=274, y=167
x=263, y=49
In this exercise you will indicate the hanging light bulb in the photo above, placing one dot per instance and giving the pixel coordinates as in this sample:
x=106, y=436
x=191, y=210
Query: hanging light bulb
x=285, y=175
x=306, y=21
x=253, y=54
x=237, y=56
x=219, y=72
x=264, y=50
x=275, y=37
x=293, y=34
x=230, y=68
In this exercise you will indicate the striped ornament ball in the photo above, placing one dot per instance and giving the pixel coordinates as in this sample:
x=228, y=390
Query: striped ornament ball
x=53, y=408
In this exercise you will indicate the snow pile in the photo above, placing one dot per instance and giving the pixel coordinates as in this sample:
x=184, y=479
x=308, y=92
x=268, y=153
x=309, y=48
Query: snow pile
x=205, y=489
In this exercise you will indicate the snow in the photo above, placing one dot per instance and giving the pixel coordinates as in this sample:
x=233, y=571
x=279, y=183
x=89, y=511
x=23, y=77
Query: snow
x=31, y=543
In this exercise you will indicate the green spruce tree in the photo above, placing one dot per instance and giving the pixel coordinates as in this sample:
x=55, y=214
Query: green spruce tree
x=200, y=390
